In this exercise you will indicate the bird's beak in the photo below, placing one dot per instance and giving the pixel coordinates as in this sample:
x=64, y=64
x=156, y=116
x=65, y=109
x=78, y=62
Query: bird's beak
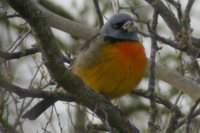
x=129, y=26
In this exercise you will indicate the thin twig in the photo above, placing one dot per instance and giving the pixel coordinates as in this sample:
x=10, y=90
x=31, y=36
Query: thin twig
x=21, y=40
x=99, y=14
x=189, y=7
x=160, y=100
x=174, y=3
x=184, y=120
x=177, y=5
x=115, y=6
x=185, y=38
x=59, y=121
x=190, y=114
x=2, y=16
x=4, y=56
x=48, y=122
x=196, y=66
x=173, y=116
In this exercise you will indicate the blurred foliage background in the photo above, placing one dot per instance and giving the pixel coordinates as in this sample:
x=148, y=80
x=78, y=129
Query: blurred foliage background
x=29, y=71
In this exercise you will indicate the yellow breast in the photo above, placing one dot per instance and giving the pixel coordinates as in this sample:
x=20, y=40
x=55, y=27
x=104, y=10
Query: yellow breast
x=117, y=70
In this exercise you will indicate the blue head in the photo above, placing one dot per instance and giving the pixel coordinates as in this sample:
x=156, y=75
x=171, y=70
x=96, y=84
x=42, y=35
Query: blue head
x=120, y=26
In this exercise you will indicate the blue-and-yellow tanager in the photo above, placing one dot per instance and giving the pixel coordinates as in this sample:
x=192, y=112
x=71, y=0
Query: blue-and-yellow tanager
x=112, y=64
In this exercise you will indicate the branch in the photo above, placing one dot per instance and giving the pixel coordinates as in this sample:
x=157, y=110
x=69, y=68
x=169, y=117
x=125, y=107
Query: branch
x=17, y=55
x=184, y=120
x=190, y=115
x=98, y=11
x=160, y=100
x=115, y=6
x=194, y=51
x=151, y=86
x=26, y=52
x=189, y=7
x=50, y=5
x=34, y=93
x=166, y=14
x=175, y=79
x=174, y=3
x=5, y=16
x=177, y=5
x=66, y=25
x=173, y=108
x=174, y=25
x=55, y=65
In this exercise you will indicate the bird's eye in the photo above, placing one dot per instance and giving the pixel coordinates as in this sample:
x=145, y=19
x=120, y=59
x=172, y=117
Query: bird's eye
x=116, y=26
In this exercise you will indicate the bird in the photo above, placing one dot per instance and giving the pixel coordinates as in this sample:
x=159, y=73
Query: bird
x=112, y=63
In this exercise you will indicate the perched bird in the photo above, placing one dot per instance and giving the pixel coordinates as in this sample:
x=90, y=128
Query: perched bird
x=113, y=63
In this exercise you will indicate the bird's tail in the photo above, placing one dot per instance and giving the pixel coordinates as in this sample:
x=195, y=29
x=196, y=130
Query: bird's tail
x=38, y=109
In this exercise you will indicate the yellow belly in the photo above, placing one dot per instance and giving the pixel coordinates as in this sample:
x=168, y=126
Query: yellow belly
x=116, y=71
